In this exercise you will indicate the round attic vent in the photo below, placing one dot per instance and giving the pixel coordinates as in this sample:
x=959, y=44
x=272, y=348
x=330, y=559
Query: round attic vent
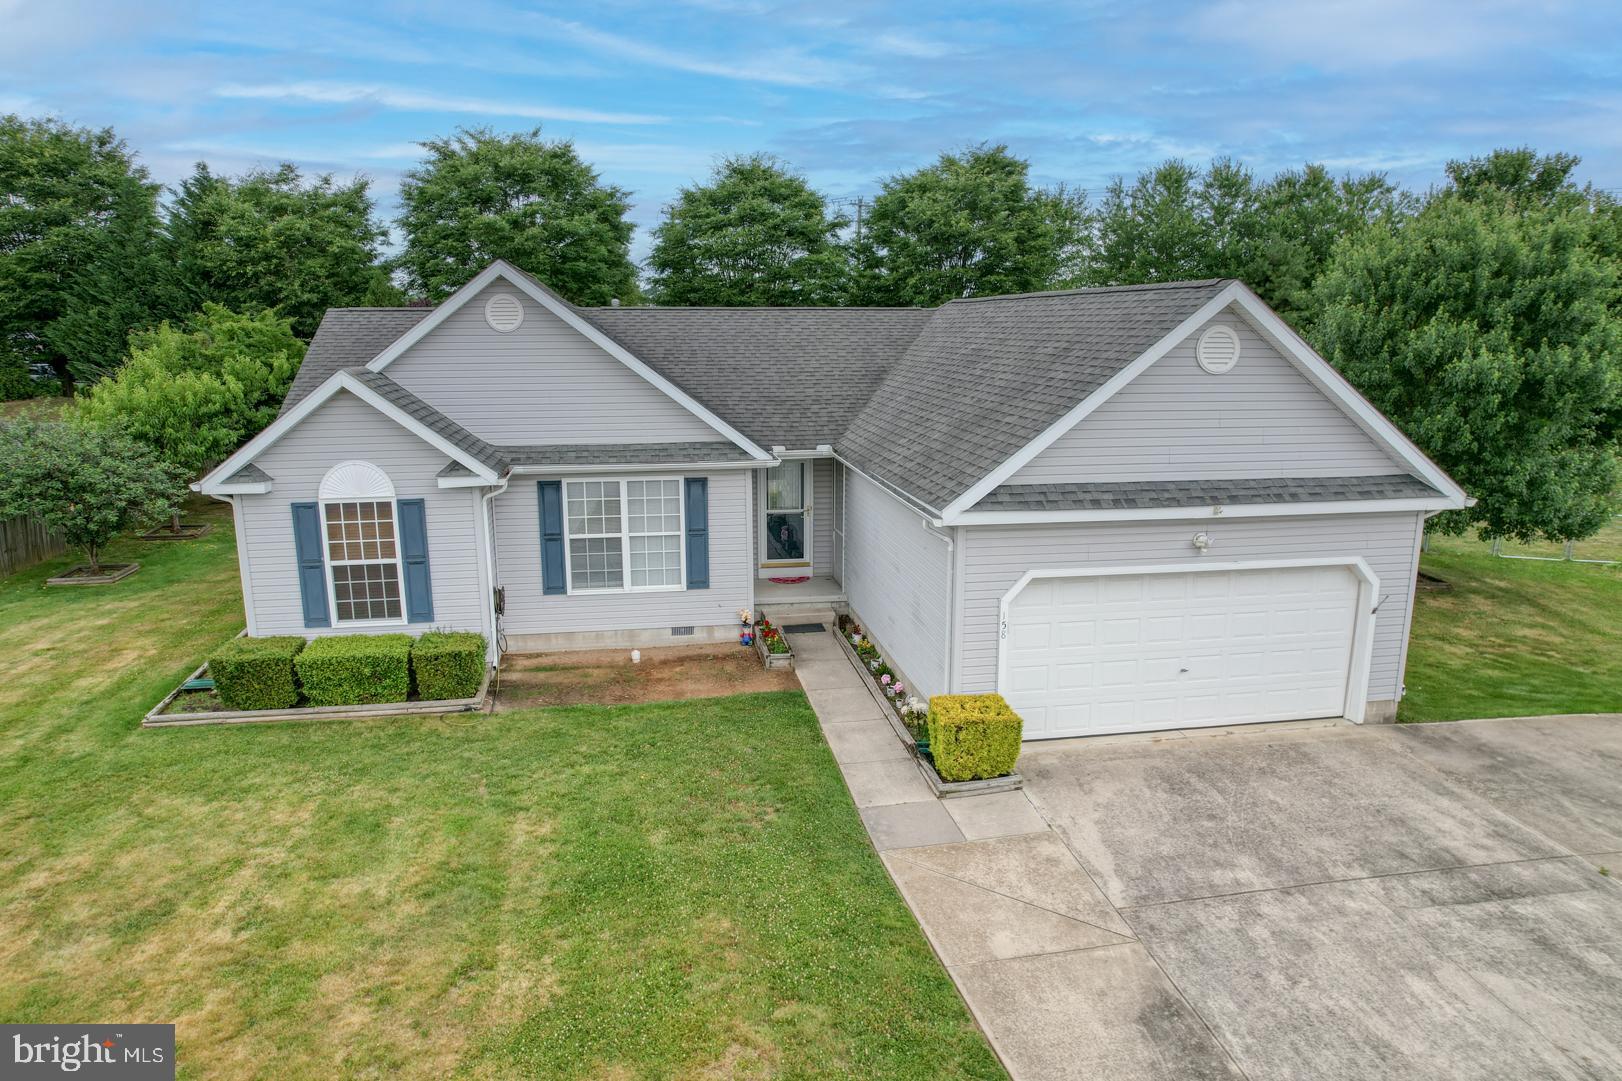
x=1218, y=349
x=504, y=313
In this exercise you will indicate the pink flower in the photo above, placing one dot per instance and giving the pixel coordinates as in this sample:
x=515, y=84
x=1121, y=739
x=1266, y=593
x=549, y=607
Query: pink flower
x=885, y=679
x=900, y=687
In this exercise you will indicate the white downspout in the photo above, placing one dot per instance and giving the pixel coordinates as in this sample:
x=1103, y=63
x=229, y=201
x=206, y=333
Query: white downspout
x=493, y=654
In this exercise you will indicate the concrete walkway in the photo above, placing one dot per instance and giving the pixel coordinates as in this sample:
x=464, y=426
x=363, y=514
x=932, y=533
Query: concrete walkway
x=1011, y=913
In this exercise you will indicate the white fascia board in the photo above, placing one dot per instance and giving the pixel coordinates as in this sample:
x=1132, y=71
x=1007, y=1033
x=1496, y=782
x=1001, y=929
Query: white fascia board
x=646, y=467
x=261, y=487
x=954, y=510
x=501, y=269
x=1204, y=514
x=289, y=420
x=1318, y=371
x=465, y=482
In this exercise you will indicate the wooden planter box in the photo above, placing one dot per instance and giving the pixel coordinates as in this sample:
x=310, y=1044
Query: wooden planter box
x=110, y=572
x=156, y=718
x=942, y=788
x=188, y=531
x=774, y=660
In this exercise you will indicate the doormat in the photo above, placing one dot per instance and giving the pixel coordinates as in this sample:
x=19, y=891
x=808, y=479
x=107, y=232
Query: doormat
x=790, y=581
x=805, y=628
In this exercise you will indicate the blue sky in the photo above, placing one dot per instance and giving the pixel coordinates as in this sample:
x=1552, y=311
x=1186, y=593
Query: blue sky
x=653, y=93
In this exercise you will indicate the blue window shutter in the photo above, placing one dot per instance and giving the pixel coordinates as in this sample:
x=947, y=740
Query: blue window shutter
x=698, y=532
x=552, y=573
x=412, y=515
x=312, y=569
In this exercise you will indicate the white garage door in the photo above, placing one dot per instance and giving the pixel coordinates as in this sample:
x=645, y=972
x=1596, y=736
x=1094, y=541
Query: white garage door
x=1139, y=652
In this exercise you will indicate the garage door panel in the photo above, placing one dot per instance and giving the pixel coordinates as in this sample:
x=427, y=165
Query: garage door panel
x=1180, y=649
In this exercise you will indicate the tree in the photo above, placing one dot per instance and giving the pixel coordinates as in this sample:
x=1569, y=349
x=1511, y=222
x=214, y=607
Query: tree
x=1487, y=333
x=1175, y=223
x=755, y=235
x=272, y=239
x=481, y=196
x=969, y=225
x=87, y=483
x=1520, y=176
x=195, y=394
x=79, y=266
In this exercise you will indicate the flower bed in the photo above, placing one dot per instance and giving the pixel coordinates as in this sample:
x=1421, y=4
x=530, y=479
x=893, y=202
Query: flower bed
x=976, y=768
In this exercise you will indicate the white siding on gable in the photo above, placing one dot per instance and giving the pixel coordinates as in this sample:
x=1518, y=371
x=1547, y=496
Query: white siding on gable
x=343, y=428
x=896, y=581
x=995, y=557
x=529, y=611
x=1177, y=421
x=542, y=383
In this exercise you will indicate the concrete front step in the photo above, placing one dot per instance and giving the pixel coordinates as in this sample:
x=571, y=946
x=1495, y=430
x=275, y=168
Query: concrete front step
x=787, y=615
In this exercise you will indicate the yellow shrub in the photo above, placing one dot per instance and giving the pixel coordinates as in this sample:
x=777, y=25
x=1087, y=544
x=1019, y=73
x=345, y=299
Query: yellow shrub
x=973, y=736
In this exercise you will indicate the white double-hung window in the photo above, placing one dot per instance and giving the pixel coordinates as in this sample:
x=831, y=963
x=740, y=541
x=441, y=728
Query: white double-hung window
x=624, y=534
x=363, y=557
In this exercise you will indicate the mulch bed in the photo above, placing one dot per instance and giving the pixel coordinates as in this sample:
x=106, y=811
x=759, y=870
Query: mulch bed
x=82, y=575
x=607, y=676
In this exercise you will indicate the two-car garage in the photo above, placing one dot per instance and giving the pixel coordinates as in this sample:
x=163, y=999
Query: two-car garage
x=1131, y=649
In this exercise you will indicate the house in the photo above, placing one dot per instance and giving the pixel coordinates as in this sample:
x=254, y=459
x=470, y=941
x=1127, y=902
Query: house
x=1131, y=508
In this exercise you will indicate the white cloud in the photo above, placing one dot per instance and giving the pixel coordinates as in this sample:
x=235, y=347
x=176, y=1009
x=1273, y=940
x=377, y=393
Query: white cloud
x=337, y=93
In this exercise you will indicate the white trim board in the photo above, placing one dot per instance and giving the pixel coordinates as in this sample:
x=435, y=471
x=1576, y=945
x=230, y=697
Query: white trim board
x=564, y=311
x=1368, y=593
x=1267, y=322
x=289, y=420
x=1203, y=514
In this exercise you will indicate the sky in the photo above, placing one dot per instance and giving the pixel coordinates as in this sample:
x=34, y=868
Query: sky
x=847, y=93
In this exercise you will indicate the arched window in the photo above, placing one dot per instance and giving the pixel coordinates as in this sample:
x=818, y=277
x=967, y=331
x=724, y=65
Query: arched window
x=363, y=550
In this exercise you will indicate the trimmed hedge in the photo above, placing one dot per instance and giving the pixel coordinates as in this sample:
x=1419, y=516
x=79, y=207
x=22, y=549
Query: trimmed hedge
x=973, y=736
x=448, y=664
x=256, y=673
x=355, y=669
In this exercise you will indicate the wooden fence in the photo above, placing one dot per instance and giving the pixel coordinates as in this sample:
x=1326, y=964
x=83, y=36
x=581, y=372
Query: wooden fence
x=24, y=541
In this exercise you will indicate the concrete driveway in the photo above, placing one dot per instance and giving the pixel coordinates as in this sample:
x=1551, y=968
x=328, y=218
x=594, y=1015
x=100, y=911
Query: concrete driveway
x=1418, y=902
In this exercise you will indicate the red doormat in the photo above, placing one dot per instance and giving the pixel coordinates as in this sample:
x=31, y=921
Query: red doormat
x=790, y=581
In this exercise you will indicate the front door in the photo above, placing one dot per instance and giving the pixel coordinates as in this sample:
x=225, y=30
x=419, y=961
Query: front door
x=786, y=509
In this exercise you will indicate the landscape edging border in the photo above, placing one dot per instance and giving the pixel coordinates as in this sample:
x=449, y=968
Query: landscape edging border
x=155, y=718
x=124, y=571
x=943, y=789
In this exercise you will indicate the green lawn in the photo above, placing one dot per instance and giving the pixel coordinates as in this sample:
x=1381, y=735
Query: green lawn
x=1514, y=637
x=674, y=890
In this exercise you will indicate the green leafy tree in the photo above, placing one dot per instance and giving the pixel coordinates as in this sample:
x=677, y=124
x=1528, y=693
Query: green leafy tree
x=274, y=239
x=1176, y=223
x=79, y=266
x=195, y=394
x=481, y=196
x=1486, y=332
x=90, y=484
x=969, y=225
x=756, y=234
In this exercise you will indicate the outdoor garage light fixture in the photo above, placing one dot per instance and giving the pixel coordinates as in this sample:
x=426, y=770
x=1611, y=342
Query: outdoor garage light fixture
x=1202, y=541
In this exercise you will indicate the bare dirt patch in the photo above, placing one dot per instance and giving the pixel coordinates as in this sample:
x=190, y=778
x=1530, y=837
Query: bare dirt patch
x=607, y=676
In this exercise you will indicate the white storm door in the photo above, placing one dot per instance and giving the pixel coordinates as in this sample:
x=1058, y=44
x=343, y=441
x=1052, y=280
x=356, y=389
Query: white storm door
x=786, y=516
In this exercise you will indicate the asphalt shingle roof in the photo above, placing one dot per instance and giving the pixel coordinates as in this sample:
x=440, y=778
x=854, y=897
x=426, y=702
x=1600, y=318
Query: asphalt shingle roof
x=349, y=338
x=1154, y=494
x=624, y=453
x=986, y=376
x=926, y=400
x=248, y=474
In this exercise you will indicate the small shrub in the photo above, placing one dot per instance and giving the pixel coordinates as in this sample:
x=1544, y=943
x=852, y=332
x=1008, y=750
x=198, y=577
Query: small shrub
x=973, y=736
x=256, y=673
x=355, y=669
x=448, y=664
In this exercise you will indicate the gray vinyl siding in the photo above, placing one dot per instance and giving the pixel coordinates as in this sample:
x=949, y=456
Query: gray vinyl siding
x=822, y=515
x=896, y=580
x=341, y=429
x=529, y=611
x=994, y=558
x=543, y=383
x=1176, y=421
